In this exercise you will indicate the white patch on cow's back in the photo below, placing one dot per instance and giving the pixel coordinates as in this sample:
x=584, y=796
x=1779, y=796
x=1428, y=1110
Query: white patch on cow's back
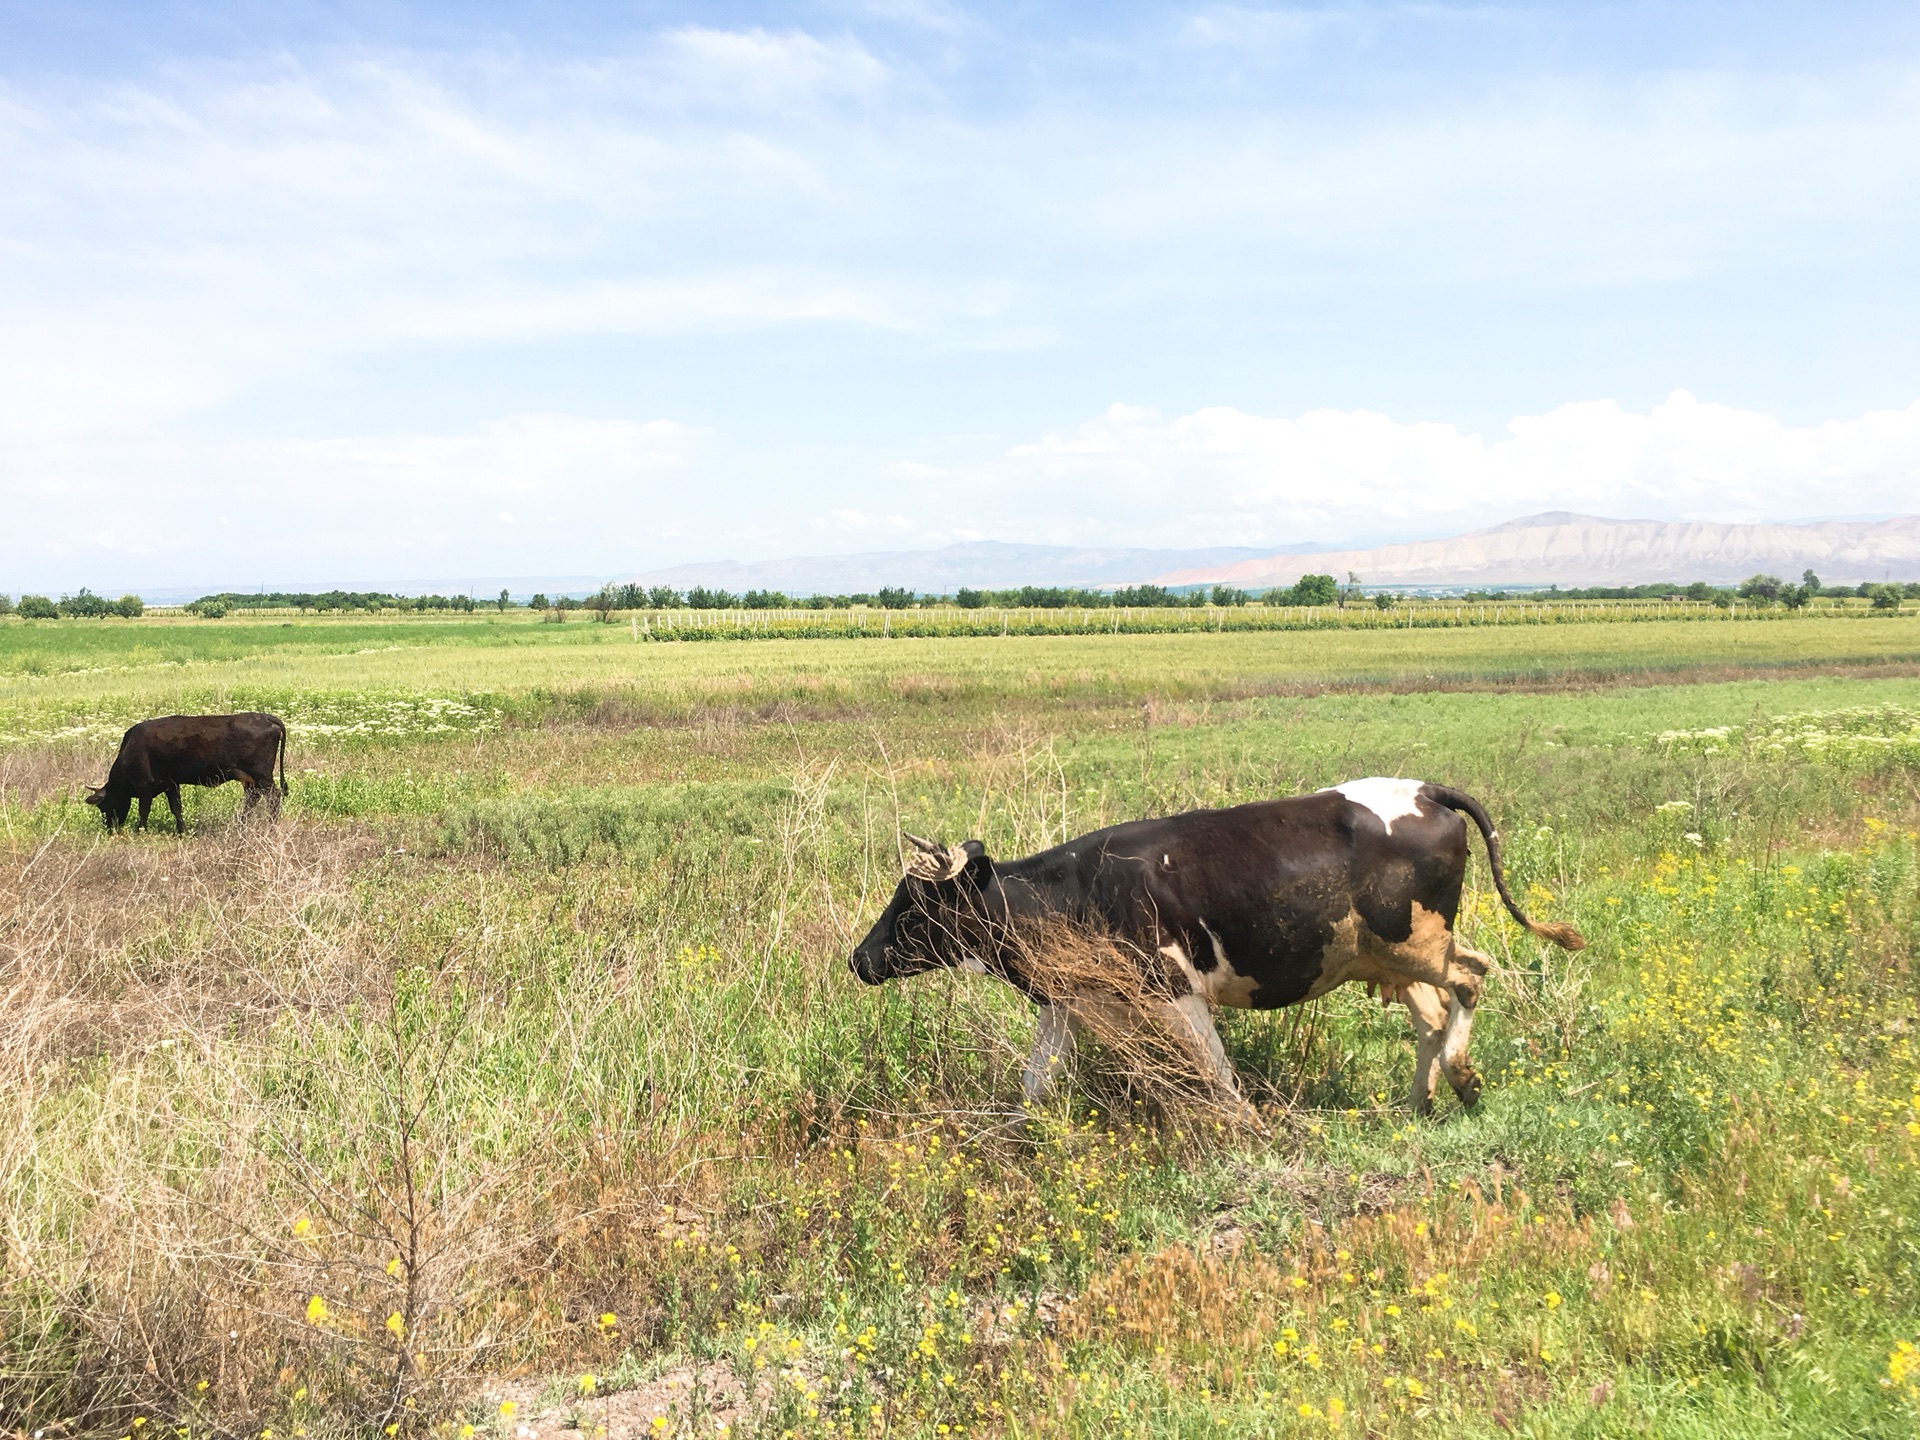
x=1390, y=799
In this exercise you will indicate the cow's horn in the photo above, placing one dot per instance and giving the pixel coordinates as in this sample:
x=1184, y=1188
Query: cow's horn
x=925, y=847
x=935, y=862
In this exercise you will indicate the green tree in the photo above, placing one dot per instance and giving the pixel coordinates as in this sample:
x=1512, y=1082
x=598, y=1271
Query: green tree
x=1316, y=590
x=1764, y=588
x=1227, y=595
x=86, y=605
x=37, y=607
x=503, y=599
x=894, y=597
x=129, y=606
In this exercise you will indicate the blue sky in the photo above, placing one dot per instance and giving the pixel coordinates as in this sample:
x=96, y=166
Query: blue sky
x=305, y=293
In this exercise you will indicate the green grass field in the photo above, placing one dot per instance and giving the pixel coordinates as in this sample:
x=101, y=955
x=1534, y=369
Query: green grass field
x=515, y=1080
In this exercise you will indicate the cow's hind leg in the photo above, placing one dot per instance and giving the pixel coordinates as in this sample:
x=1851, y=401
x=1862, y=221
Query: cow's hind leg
x=252, y=793
x=173, y=804
x=1052, y=1048
x=1469, y=966
x=1428, y=1006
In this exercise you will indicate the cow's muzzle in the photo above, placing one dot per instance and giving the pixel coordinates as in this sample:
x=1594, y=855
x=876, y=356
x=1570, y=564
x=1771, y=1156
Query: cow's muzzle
x=869, y=965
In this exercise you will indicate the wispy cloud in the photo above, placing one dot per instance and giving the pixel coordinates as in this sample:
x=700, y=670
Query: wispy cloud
x=1132, y=476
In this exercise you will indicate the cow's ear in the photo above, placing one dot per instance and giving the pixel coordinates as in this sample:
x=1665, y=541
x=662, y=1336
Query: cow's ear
x=979, y=867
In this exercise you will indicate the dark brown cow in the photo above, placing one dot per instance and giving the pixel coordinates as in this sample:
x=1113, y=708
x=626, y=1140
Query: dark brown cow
x=158, y=756
x=1259, y=906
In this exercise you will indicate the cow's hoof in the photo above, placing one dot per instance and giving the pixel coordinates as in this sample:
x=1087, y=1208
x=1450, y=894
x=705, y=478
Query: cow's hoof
x=1469, y=1090
x=1247, y=1116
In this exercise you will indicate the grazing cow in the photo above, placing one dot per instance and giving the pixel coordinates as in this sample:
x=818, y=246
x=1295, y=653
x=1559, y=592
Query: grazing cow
x=158, y=756
x=1258, y=906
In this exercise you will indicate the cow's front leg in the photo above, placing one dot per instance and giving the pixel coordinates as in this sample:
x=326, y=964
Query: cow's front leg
x=173, y=804
x=146, y=808
x=1192, y=1018
x=1052, y=1048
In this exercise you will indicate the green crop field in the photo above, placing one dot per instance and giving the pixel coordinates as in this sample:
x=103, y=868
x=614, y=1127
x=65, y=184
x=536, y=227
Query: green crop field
x=515, y=1082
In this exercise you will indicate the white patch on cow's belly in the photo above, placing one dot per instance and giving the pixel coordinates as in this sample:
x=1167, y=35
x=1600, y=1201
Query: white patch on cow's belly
x=1177, y=953
x=1390, y=799
x=1222, y=985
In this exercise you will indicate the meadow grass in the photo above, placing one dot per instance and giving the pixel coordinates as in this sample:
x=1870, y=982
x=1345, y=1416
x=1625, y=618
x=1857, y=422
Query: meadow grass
x=516, y=1077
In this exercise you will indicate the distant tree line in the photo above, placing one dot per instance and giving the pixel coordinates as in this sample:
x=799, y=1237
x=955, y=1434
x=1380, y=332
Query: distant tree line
x=1308, y=590
x=612, y=598
x=1760, y=589
x=215, y=606
x=85, y=605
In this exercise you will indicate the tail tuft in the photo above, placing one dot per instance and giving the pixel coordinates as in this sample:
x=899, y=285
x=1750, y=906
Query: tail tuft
x=1565, y=936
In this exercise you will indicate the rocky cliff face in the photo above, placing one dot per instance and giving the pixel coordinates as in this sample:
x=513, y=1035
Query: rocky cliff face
x=1583, y=550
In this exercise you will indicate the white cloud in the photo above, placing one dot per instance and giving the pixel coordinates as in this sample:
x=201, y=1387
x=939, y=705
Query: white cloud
x=734, y=68
x=1222, y=476
x=524, y=492
x=557, y=493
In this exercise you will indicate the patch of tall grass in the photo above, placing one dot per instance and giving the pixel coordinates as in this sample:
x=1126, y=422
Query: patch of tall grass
x=517, y=1051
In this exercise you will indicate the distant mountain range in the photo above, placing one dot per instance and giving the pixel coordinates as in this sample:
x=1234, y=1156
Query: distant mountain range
x=1575, y=550
x=1554, y=548
x=982, y=564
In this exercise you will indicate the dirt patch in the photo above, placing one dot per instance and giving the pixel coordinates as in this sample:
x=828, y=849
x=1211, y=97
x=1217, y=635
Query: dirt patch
x=681, y=1399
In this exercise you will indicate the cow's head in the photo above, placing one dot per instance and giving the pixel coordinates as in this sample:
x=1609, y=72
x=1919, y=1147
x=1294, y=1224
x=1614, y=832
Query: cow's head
x=945, y=912
x=113, y=808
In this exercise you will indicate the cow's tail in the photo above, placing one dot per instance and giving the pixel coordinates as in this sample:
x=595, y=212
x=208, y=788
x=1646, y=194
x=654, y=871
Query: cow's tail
x=283, y=758
x=1565, y=936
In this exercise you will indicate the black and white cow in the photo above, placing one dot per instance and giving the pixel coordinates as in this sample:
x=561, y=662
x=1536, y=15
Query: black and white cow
x=1258, y=906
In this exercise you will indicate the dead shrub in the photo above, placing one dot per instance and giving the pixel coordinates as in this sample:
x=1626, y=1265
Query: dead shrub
x=1121, y=998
